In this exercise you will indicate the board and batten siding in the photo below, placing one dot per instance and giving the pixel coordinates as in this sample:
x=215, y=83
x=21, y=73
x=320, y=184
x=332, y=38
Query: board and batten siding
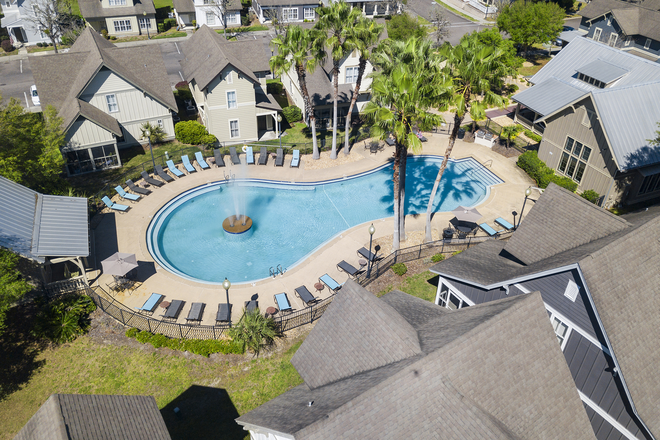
x=219, y=115
x=135, y=28
x=592, y=371
x=353, y=60
x=84, y=133
x=601, y=166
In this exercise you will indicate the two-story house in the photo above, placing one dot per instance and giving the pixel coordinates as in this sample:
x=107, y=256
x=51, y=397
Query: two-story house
x=630, y=26
x=289, y=11
x=399, y=367
x=120, y=18
x=228, y=82
x=105, y=99
x=207, y=12
x=597, y=108
x=21, y=30
x=599, y=279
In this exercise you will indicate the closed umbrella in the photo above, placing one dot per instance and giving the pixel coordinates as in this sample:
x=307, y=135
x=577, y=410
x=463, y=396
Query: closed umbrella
x=119, y=264
x=464, y=214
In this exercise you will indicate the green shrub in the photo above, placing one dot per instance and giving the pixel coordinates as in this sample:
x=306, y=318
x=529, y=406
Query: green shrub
x=564, y=182
x=245, y=20
x=437, y=258
x=399, y=269
x=533, y=136
x=292, y=114
x=539, y=171
x=193, y=133
x=204, y=347
x=161, y=28
x=65, y=318
x=104, y=32
x=274, y=87
x=590, y=195
x=456, y=253
x=169, y=23
x=113, y=38
x=7, y=46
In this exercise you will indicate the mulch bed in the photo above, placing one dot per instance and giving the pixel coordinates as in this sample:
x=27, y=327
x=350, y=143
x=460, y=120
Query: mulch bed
x=389, y=278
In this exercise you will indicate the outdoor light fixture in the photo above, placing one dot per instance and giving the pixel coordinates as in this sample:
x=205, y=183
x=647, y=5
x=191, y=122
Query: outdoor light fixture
x=148, y=133
x=279, y=128
x=226, y=284
x=147, y=24
x=372, y=230
x=528, y=192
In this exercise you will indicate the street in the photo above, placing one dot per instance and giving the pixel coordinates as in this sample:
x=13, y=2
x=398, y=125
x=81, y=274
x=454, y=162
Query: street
x=459, y=25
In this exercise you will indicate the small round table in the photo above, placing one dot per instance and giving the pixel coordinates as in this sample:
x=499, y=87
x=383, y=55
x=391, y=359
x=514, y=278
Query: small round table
x=319, y=286
x=270, y=311
x=362, y=262
x=164, y=304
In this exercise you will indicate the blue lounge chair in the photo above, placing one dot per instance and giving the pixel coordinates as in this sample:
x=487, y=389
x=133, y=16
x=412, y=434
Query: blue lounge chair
x=173, y=169
x=126, y=196
x=330, y=282
x=150, y=305
x=116, y=206
x=505, y=224
x=186, y=163
x=200, y=160
x=295, y=160
x=249, y=156
x=488, y=230
x=282, y=302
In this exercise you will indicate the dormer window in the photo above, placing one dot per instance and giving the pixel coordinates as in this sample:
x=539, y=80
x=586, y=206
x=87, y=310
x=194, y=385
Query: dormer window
x=117, y=2
x=590, y=80
x=601, y=74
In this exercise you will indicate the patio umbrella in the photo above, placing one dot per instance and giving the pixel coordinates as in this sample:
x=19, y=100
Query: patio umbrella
x=119, y=264
x=464, y=214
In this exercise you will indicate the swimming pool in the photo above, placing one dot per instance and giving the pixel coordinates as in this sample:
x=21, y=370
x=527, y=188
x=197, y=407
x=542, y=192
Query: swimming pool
x=292, y=220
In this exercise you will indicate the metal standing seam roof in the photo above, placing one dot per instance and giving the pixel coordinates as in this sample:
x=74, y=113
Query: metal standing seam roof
x=549, y=96
x=603, y=71
x=37, y=226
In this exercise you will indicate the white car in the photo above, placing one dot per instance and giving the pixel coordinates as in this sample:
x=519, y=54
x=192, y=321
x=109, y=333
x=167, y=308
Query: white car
x=34, y=95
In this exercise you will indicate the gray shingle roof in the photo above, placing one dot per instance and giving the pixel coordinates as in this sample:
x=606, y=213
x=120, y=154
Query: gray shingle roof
x=37, y=226
x=640, y=18
x=533, y=396
x=208, y=53
x=287, y=3
x=267, y=102
x=602, y=71
x=559, y=221
x=91, y=9
x=184, y=6
x=59, y=86
x=91, y=417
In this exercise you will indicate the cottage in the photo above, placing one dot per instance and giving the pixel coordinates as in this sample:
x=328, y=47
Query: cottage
x=16, y=20
x=120, y=17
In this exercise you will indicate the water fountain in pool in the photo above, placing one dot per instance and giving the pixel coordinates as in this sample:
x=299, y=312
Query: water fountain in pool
x=239, y=222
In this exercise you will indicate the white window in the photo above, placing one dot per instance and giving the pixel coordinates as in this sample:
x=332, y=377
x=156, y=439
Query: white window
x=572, y=290
x=289, y=14
x=351, y=75
x=233, y=128
x=231, y=99
x=232, y=18
x=597, y=33
x=229, y=78
x=628, y=40
x=210, y=18
x=117, y=2
x=309, y=14
x=613, y=38
x=145, y=23
x=112, y=103
x=160, y=123
x=561, y=330
x=647, y=44
x=41, y=33
x=574, y=159
x=123, y=25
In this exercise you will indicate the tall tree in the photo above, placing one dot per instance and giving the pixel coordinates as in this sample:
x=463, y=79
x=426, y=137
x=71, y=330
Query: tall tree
x=299, y=49
x=441, y=25
x=402, y=27
x=531, y=23
x=408, y=83
x=12, y=285
x=53, y=18
x=474, y=69
x=337, y=22
x=365, y=35
x=219, y=9
x=30, y=147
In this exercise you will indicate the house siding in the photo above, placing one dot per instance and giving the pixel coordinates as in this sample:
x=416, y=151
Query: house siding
x=24, y=8
x=135, y=28
x=637, y=42
x=601, y=167
x=592, y=371
x=84, y=133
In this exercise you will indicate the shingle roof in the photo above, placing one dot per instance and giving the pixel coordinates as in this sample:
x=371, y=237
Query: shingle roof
x=37, y=226
x=559, y=221
x=88, y=417
x=91, y=9
x=208, y=53
x=184, y=6
x=287, y=3
x=59, y=86
x=641, y=18
x=454, y=378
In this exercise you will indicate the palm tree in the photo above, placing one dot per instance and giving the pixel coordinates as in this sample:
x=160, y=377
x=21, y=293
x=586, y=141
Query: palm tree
x=299, y=49
x=510, y=132
x=156, y=133
x=365, y=34
x=336, y=21
x=254, y=331
x=475, y=68
x=408, y=83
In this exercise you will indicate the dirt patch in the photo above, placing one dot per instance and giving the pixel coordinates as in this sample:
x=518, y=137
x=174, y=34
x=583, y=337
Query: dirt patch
x=390, y=281
x=506, y=151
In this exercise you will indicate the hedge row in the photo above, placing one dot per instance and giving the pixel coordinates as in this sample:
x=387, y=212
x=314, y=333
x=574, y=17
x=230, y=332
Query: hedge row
x=541, y=173
x=205, y=347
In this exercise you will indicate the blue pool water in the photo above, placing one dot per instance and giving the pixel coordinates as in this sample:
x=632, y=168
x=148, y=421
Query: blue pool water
x=292, y=220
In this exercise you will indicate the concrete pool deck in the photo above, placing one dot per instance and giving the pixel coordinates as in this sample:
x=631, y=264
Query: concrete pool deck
x=127, y=232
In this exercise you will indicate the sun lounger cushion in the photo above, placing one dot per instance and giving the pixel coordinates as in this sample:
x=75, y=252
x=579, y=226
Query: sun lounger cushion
x=487, y=229
x=249, y=156
x=348, y=268
x=504, y=223
x=136, y=189
x=330, y=282
x=124, y=195
x=173, y=169
x=295, y=160
x=366, y=253
x=282, y=302
x=200, y=160
x=151, y=303
x=305, y=295
x=163, y=175
x=112, y=205
x=186, y=163
x=224, y=313
x=151, y=181
x=196, y=312
x=174, y=309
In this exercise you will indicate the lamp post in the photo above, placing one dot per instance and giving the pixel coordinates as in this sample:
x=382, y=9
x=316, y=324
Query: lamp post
x=528, y=192
x=372, y=229
x=279, y=128
x=226, y=284
x=146, y=24
x=148, y=133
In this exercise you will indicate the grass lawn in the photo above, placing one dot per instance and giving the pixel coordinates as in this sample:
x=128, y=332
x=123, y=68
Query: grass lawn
x=163, y=3
x=538, y=61
x=423, y=285
x=209, y=395
x=455, y=11
x=300, y=133
x=231, y=30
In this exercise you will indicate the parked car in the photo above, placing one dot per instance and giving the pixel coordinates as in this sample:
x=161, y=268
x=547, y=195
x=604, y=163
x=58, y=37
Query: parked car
x=34, y=95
